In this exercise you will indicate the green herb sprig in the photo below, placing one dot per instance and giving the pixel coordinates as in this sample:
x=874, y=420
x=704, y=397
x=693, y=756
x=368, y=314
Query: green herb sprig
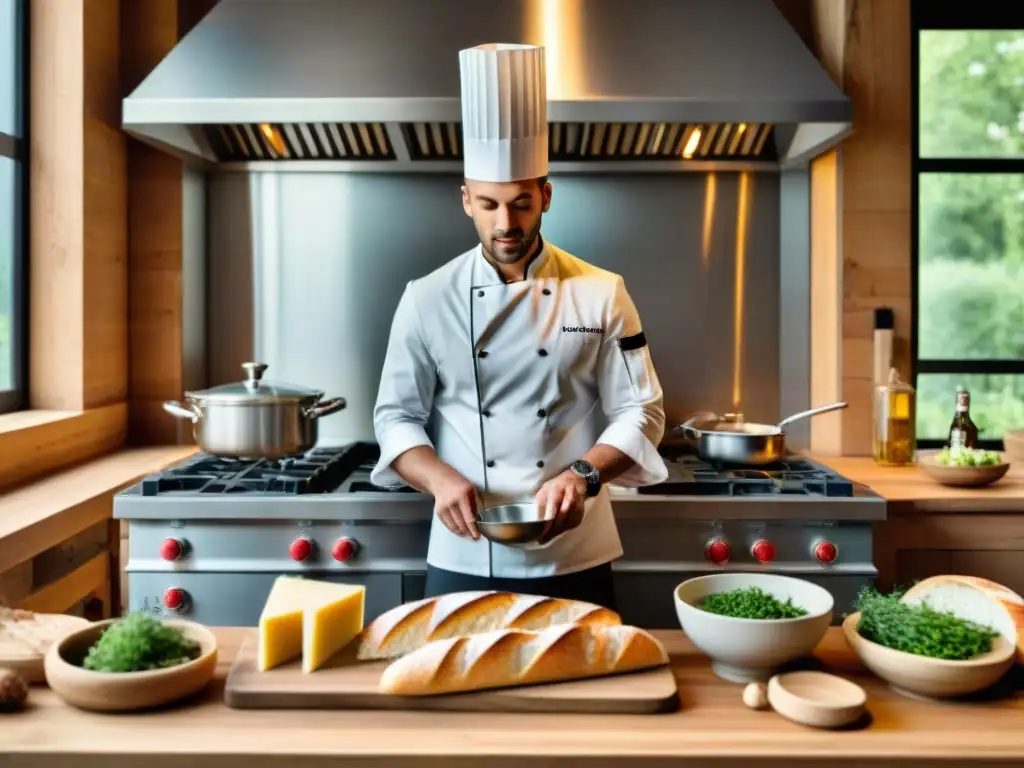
x=919, y=629
x=750, y=603
x=138, y=642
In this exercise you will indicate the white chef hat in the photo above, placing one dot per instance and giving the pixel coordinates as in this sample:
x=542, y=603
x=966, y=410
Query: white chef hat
x=504, y=112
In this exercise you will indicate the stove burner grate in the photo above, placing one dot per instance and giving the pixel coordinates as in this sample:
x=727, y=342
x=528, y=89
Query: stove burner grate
x=319, y=471
x=689, y=475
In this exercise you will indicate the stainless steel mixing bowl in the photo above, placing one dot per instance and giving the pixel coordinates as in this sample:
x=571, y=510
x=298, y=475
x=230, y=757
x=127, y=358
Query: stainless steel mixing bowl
x=511, y=524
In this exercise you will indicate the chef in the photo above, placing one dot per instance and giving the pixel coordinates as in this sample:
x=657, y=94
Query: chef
x=516, y=371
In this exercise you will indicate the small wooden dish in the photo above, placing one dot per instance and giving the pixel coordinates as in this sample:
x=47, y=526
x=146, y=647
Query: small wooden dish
x=926, y=677
x=960, y=477
x=127, y=691
x=816, y=699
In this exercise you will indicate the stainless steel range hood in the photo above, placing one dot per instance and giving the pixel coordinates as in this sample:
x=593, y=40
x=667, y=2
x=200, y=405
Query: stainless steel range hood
x=656, y=85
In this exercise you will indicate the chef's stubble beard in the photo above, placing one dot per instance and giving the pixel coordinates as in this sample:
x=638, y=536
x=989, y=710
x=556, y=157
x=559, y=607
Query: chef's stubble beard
x=504, y=257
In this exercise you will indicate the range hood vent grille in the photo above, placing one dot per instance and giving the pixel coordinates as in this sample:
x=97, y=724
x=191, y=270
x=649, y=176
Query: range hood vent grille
x=299, y=141
x=660, y=141
x=433, y=141
x=579, y=142
x=442, y=141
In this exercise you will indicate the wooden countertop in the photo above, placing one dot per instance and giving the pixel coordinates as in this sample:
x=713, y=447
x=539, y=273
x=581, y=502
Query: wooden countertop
x=713, y=727
x=909, y=490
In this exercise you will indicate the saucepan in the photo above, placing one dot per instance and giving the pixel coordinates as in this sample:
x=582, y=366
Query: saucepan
x=255, y=419
x=733, y=441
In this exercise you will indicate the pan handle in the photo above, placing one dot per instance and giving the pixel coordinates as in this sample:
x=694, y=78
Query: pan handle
x=692, y=432
x=812, y=412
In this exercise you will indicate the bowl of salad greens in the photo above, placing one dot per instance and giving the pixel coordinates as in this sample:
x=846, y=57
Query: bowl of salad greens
x=751, y=624
x=131, y=663
x=963, y=467
x=925, y=652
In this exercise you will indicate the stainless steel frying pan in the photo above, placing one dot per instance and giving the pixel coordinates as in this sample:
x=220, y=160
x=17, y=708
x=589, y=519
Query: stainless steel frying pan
x=738, y=442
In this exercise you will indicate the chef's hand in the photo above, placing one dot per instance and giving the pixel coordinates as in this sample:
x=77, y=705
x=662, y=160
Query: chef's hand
x=455, y=502
x=561, y=502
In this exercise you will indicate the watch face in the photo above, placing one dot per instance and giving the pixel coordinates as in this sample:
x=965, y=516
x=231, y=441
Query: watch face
x=583, y=467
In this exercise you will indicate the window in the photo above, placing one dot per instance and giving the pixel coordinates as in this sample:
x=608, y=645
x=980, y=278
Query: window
x=13, y=99
x=967, y=202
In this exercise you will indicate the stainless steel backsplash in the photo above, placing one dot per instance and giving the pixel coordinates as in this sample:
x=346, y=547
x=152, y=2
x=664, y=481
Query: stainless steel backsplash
x=305, y=271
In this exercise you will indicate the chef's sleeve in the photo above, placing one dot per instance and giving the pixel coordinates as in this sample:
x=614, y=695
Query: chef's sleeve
x=630, y=392
x=406, y=393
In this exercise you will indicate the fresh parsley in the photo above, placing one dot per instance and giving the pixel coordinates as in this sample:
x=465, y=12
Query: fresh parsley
x=138, y=642
x=750, y=603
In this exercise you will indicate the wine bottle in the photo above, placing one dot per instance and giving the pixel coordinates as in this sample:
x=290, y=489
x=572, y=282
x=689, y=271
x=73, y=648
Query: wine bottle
x=962, y=431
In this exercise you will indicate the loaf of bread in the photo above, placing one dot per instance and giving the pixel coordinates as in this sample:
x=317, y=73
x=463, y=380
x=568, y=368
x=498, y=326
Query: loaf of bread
x=510, y=657
x=413, y=625
x=978, y=600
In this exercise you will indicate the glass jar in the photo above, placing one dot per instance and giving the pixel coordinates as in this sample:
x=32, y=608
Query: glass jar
x=894, y=436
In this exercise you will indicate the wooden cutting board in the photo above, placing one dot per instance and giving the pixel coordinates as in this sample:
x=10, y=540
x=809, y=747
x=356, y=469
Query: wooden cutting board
x=346, y=683
x=25, y=637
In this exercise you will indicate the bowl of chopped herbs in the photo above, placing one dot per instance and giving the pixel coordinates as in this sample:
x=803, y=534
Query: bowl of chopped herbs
x=925, y=652
x=752, y=624
x=131, y=663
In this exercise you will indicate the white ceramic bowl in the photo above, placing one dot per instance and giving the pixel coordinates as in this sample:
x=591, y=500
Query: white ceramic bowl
x=747, y=650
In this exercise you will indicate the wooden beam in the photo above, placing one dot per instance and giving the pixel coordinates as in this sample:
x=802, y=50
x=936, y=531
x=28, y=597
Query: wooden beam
x=90, y=579
x=860, y=214
x=157, y=231
x=78, y=272
x=875, y=162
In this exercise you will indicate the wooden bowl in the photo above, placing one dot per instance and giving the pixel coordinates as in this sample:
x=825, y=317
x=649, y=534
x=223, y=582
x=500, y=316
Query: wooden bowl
x=926, y=677
x=961, y=477
x=816, y=699
x=127, y=691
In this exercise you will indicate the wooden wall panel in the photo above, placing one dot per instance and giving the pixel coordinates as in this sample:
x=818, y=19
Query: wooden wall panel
x=155, y=233
x=860, y=214
x=875, y=201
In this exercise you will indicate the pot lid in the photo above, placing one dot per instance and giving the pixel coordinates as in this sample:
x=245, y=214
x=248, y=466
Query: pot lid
x=255, y=389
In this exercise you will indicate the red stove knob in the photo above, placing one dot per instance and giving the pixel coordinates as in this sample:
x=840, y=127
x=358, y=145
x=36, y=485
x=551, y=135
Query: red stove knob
x=763, y=551
x=345, y=549
x=300, y=549
x=172, y=549
x=717, y=552
x=826, y=552
x=174, y=599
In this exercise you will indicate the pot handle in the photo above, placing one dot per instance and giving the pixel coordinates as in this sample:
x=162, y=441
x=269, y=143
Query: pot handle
x=325, y=408
x=175, y=408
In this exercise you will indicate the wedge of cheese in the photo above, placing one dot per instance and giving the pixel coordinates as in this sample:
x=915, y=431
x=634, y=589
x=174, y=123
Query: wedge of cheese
x=311, y=619
x=333, y=618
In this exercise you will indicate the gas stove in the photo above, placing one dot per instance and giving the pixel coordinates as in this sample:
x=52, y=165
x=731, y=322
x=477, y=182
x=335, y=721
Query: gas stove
x=689, y=475
x=208, y=536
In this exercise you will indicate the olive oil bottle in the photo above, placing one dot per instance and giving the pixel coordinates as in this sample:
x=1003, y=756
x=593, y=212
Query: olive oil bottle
x=895, y=434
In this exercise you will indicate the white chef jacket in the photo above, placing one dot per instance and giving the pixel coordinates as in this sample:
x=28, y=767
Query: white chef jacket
x=512, y=382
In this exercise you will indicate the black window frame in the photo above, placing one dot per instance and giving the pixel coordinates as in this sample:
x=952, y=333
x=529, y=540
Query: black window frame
x=931, y=15
x=16, y=148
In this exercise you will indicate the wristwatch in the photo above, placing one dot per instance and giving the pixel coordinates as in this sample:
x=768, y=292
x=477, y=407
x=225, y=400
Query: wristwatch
x=588, y=472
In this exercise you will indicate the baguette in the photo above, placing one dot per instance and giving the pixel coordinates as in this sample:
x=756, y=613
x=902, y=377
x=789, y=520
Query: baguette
x=508, y=657
x=978, y=600
x=413, y=625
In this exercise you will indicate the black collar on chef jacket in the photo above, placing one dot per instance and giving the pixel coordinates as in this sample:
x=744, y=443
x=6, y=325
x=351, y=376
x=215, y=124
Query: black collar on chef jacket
x=529, y=262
